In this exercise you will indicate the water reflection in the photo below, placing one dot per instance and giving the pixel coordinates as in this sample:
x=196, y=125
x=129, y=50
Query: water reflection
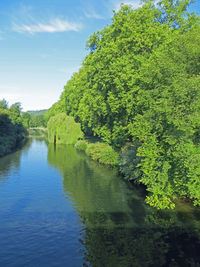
x=118, y=229
x=12, y=161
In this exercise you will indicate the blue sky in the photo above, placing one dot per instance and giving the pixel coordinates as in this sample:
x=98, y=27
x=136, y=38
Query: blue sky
x=42, y=43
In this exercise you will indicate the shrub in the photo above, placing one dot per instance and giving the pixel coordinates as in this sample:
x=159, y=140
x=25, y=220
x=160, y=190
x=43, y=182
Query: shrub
x=102, y=152
x=128, y=163
x=93, y=150
x=108, y=156
x=81, y=145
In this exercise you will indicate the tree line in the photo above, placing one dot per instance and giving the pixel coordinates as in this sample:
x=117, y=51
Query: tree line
x=12, y=131
x=138, y=90
x=14, y=124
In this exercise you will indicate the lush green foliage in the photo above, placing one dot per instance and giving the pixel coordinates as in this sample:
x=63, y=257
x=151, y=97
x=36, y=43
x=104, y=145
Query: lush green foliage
x=128, y=163
x=81, y=145
x=103, y=153
x=26, y=119
x=12, y=131
x=3, y=104
x=62, y=129
x=38, y=121
x=167, y=124
x=57, y=108
x=34, y=118
x=33, y=121
x=140, y=82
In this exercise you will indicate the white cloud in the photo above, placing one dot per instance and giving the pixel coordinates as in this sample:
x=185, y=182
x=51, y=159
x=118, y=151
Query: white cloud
x=56, y=25
x=91, y=14
x=134, y=4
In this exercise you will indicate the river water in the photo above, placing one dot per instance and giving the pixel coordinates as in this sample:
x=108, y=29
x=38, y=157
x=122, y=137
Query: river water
x=60, y=208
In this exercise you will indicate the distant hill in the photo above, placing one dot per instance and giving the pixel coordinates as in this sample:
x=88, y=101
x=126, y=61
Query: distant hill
x=36, y=112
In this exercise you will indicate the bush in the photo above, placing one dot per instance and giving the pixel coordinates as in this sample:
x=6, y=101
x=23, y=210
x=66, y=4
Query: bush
x=103, y=153
x=81, y=145
x=128, y=163
x=93, y=150
x=108, y=156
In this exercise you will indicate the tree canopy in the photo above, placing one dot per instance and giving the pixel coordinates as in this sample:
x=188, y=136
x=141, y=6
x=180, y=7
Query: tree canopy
x=140, y=83
x=12, y=131
x=62, y=129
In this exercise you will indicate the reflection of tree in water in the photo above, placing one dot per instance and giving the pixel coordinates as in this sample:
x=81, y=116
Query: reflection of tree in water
x=12, y=161
x=118, y=229
x=163, y=242
x=92, y=187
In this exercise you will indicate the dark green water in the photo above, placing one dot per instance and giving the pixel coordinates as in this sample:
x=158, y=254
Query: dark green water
x=59, y=208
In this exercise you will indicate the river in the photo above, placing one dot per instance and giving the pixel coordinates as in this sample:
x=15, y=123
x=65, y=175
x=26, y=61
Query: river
x=60, y=208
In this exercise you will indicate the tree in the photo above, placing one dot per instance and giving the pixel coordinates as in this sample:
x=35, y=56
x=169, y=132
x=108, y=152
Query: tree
x=12, y=131
x=37, y=121
x=62, y=129
x=3, y=104
x=26, y=118
x=15, y=113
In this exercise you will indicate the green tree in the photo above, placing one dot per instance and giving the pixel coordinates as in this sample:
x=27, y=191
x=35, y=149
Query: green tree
x=12, y=131
x=15, y=113
x=26, y=117
x=3, y=104
x=62, y=129
x=37, y=121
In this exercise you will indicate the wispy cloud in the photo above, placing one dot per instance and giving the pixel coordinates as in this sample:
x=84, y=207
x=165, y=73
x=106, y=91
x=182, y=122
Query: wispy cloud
x=134, y=4
x=55, y=25
x=91, y=14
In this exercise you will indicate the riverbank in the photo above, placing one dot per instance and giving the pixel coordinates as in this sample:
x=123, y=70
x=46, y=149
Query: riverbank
x=59, y=207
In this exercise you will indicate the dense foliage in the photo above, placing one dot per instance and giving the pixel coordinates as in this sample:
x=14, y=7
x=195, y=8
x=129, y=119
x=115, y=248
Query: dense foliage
x=81, y=145
x=12, y=131
x=31, y=119
x=62, y=129
x=129, y=163
x=38, y=121
x=99, y=151
x=140, y=83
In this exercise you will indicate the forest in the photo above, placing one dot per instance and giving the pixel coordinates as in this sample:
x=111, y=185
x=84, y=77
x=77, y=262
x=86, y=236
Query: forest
x=138, y=91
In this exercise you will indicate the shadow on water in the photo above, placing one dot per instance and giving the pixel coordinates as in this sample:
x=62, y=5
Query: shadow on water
x=12, y=160
x=118, y=229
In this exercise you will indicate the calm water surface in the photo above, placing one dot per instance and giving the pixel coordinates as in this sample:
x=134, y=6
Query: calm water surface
x=59, y=208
